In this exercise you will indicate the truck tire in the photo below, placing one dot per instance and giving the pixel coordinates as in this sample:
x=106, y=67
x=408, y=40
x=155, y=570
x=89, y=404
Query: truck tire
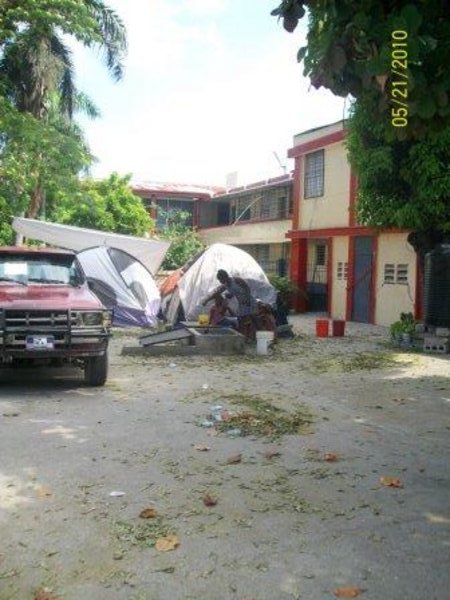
x=96, y=370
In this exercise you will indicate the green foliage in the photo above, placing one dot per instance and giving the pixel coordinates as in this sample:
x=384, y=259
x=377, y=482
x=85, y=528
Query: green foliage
x=42, y=155
x=286, y=288
x=6, y=231
x=349, y=51
x=36, y=153
x=89, y=21
x=401, y=183
x=185, y=242
x=406, y=324
x=107, y=205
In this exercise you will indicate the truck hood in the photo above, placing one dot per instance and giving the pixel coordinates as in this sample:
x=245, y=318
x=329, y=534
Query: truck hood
x=47, y=297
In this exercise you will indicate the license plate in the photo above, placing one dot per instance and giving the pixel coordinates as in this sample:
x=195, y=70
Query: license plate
x=40, y=342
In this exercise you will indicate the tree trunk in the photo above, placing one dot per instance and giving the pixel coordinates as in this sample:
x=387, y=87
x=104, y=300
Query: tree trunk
x=37, y=198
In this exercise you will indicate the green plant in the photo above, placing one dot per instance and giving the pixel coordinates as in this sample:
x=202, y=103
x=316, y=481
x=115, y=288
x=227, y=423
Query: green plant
x=406, y=324
x=185, y=242
x=287, y=289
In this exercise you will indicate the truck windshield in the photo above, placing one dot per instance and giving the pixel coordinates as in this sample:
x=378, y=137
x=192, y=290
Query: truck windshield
x=38, y=270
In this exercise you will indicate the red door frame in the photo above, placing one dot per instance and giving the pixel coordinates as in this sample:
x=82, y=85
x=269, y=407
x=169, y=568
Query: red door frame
x=351, y=279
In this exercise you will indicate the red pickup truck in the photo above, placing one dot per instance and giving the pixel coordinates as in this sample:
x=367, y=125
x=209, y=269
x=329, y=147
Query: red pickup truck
x=48, y=314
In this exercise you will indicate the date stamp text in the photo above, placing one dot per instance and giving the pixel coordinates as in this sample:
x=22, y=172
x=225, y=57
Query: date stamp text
x=399, y=78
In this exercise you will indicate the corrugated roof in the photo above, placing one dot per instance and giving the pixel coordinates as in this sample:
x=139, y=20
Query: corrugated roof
x=175, y=188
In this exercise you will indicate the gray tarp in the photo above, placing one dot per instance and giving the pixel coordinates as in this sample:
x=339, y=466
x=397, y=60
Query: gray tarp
x=150, y=253
x=118, y=268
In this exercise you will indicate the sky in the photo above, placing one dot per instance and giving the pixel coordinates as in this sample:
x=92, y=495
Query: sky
x=211, y=88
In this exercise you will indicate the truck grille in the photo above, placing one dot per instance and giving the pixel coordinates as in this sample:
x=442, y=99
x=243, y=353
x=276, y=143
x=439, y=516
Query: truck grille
x=37, y=319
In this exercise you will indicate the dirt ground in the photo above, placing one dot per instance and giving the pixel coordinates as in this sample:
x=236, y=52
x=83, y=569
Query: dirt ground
x=340, y=489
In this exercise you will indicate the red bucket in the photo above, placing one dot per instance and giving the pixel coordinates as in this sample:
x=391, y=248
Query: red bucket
x=338, y=328
x=322, y=327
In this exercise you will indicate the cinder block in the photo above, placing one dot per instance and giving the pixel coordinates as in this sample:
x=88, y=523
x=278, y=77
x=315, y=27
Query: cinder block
x=437, y=345
x=442, y=331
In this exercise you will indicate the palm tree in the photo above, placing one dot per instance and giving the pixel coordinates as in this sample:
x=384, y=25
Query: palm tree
x=37, y=72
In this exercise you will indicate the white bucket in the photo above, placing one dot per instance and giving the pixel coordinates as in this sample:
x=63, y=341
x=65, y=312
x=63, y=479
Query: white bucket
x=263, y=341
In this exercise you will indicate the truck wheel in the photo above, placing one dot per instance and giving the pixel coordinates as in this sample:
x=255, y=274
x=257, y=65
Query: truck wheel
x=96, y=370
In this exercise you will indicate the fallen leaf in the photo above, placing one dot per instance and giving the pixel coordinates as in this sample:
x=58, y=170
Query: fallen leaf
x=44, y=594
x=148, y=513
x=165, y=544
x=432, y=518
x=227, y=415
x=391, y=482
x=234, y=459
x=209, y=500
x=271, y=454
x=166, y=570
x=348, y=592
x=330, y=457
x=43, y=492
x=202, y=447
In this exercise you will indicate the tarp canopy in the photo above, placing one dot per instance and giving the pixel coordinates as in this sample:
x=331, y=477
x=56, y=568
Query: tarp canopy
x=200, y=280
x=150, y=253
x=116, y=275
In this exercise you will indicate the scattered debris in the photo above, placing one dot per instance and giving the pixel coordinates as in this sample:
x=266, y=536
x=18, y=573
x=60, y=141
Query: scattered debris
x=271, y=454
x=330, y=456
x=116, y=494
x=144, y=533
x=234, y=433
x=44, y=594
x=202, y=447
x=234, y=459
x=209, y=500
x=391, y=482
x=165, y=544
x=148, y=513
x=348, y=592
x=262, y=418
x=10, y=414
x=165, y=570
x=43, y=492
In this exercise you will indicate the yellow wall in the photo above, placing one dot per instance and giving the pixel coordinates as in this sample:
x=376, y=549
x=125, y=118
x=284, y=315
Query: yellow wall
x=331, y=209
x=272, y=232
x=339, y=291
x=394, y=298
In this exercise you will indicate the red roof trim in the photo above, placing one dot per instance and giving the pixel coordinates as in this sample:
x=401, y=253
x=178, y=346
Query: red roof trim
x=325, y=140
x=337, y=231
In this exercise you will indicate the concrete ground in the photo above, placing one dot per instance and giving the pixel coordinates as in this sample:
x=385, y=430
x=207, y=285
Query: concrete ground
x=287, y=523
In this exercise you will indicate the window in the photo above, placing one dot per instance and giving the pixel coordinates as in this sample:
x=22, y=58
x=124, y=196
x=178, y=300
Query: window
x=314, y=174
x=262, y=252
x=402, y=273
x=342, y=271
x=321, y=251
x=389, y=273
x=168, y=207
x=282, y=207
x=396, y=273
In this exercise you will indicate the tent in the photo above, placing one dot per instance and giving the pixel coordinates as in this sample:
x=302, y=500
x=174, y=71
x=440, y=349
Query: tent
x=118, y=267
x=198, y=280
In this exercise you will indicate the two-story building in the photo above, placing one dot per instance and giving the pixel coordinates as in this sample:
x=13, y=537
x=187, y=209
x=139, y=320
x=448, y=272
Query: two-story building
x=162, y=199
x=255, y=218
x=353, y=272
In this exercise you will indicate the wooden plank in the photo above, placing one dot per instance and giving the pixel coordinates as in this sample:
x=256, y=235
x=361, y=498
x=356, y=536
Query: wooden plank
x=164, y=336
